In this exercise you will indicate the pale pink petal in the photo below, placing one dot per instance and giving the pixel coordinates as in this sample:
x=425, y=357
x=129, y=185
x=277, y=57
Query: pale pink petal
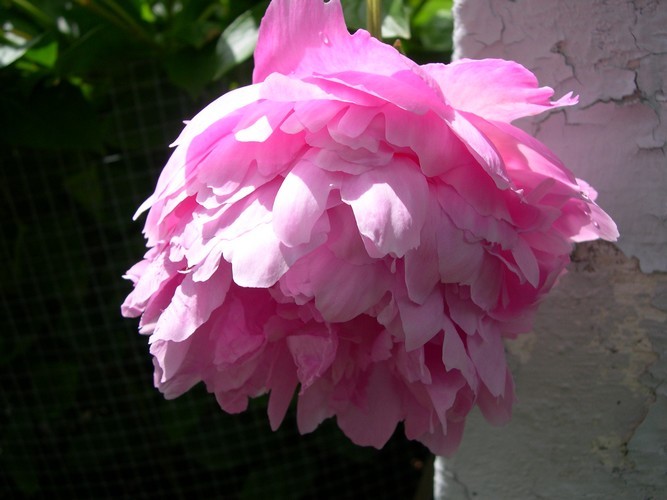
x=462, y=310
x=389, y=205
x=191, y=306
x=149, y=276
x=527, y=262
x=300, y=201
x=233, y=340
x=443, y=393
x=485, y=289
x=168, y=358
x=343, y=291
x=257, y=257
x=200, y=127
x=445, y=444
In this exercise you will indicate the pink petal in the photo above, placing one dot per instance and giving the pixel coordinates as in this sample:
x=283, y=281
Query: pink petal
x=191, y=306
x=422, y=268
x=313, y=353
x=205, y=128
x=421, y=322
x=416, y=132
x=485, y=290
x=494, y=88
x=300, y=201
x=149, y=276
x=295, y=39
x=497, y=410
x=283, y=382
x=389, y=206
x=443, y=393
x=455, y=356
x=257, y=258
x=459, y=261
x=373, y=424
x=313, y=406
x=168, y=359
x=234, y=340
x=343, y=291
x=480, y=146
x=488, y=355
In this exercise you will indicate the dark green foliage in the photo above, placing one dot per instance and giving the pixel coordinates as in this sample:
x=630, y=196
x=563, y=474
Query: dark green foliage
x=92, y=94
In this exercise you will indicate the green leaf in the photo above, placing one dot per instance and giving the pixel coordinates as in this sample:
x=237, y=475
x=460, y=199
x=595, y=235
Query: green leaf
x=44, y=55
x=12, y=48
x=434, y=25
x=237, y=42
x=396, y=22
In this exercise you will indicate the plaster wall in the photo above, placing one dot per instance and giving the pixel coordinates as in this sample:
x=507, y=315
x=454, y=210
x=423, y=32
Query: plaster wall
x=591, y=420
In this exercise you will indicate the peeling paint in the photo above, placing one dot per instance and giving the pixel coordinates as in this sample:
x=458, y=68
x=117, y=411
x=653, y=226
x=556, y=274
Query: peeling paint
x=591, y=379
x=613, y=54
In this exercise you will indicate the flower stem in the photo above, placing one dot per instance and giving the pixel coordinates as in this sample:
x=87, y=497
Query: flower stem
x=374, y=18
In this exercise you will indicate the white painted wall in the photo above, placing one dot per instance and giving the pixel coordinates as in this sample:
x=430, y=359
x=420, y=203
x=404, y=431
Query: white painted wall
x=591, y=421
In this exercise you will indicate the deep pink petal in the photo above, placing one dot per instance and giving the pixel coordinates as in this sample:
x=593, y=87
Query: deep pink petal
x=375, y=422
x=494, y=88
x=313, y=353
x=455, y=356
x=283, y=382
x=421, y=322
x=488, y=355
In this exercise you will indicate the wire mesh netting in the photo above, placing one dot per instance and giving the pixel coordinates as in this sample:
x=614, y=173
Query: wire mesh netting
x=80, y=418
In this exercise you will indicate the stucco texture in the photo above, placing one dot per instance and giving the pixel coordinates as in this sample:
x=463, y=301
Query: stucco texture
x=613, y=54
x=591, y=420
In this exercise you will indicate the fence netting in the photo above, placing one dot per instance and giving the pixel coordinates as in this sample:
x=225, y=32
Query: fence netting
x=79, y=415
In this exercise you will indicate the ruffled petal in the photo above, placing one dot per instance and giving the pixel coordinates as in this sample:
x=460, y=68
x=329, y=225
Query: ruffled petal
x=494, y=88
x=295, y=40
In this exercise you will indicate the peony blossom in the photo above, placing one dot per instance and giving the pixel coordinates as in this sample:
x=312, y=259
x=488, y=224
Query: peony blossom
x=359, y=230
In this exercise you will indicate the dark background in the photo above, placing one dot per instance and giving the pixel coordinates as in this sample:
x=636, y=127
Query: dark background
x=91, y=95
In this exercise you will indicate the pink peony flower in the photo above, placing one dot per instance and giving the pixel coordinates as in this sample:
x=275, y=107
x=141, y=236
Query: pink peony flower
x=359, y=229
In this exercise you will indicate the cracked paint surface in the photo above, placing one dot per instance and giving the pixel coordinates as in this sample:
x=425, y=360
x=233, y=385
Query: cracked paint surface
x=591, y=420
x=613, y=54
